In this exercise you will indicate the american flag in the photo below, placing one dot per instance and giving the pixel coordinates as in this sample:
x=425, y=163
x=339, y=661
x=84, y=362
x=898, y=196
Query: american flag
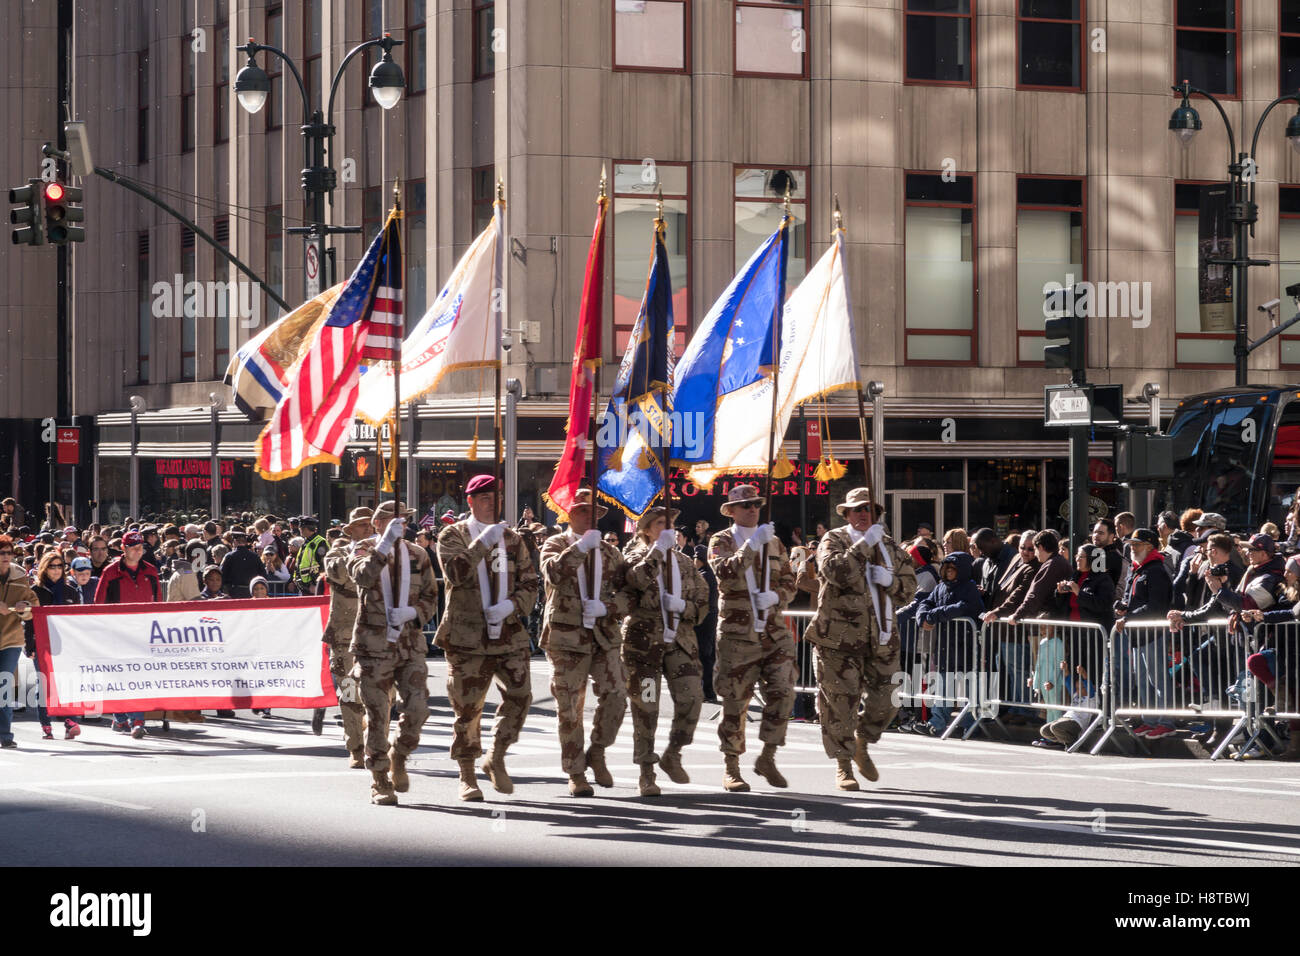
x=312, y=422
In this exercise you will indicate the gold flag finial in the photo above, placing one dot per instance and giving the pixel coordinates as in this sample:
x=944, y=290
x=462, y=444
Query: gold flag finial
x=787, y=197
x=397, y=192
x=501, y=190
x=603, y=181
x=839, y=216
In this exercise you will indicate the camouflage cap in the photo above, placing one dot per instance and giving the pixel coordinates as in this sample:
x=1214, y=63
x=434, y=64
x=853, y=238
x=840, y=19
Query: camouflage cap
x=741, y=494
x=359, y=516
x=657, y=511
x=856, y=498
x=388, y=509
x=582, y=499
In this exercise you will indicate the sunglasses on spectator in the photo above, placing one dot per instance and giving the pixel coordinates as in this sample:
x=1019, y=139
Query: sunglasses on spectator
x=747, y=504
x=55, y=564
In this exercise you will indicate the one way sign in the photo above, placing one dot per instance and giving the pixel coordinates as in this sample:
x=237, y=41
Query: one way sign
x=1067, y=405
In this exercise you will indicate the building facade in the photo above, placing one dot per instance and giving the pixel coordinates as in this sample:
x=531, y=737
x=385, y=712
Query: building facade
x=978, y=150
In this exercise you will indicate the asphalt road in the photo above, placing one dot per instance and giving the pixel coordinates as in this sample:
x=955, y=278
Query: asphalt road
x=250, y=791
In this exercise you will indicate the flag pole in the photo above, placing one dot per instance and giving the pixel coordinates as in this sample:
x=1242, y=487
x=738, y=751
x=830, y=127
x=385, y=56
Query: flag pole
x=868, y=454
x=776, y=374
x=396, y=445
x=499, y=474
x=593, y=586
x=661, y=228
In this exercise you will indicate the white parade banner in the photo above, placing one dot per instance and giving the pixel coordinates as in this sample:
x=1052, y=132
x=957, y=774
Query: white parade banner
x=194, y=655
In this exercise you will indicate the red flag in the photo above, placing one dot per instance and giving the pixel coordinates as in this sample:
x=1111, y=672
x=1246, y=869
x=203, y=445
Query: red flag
x=586, y=359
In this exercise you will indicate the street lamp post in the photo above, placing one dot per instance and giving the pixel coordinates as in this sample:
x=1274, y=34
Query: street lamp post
x=1185, y=122
x=252, y=86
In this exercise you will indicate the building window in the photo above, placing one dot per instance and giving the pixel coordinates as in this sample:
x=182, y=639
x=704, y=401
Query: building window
x=372, y=20
x=636, y=188
x=771, y=38
x=372, y=213
x=227, y=299
x=1289, y=46
x=1050, y=38
x=652, y=35
x=939, y=259
x=192, y=305
x=188, y=57
x=417, y=47
x=760, y=197
x=142, y=107
x=1206, y=41
x=1288, y=257
x=485, y=63
x=1193, y=348
x=1050, y=247
x=311, y=45
x=144, y=293
x=222, y=51
x=274, y=256
x=483, y=196
x=940, y=45
x=274, y=67
x=414, y=248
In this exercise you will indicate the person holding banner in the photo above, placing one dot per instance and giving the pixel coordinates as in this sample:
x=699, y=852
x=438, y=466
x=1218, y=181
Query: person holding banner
x=16, y=602
x=755, y=586
x=338, y=635
x=396, y=597
x=129, y=580
x=491, y=586
x=668, y=597
x=581, y=637
x=863, y=578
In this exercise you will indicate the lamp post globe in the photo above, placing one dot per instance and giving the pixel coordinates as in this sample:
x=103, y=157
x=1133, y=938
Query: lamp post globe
x=252, y=86
x=387, y=82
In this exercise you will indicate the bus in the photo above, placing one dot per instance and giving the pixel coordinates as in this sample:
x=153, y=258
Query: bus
x=1236, y=451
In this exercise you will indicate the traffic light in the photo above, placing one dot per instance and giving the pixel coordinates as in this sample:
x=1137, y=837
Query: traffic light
x=1067, y=310
x=60, y=212
x=30, y=214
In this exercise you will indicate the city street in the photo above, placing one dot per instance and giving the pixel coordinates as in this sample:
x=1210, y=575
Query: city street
x=257, y=792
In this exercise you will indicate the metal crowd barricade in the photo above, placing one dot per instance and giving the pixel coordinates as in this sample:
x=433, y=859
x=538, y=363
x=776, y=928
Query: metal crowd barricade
x=806, y=679
x=940, y=672
x=1158, y=675
x=281, y=589
x=1050, y=671
x=1277, y=644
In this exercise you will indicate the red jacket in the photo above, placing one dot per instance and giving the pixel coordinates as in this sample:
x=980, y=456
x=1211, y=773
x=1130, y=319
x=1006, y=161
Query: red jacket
x=118, y=585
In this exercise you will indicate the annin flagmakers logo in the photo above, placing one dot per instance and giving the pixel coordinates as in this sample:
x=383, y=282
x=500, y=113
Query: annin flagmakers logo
x=204, y=635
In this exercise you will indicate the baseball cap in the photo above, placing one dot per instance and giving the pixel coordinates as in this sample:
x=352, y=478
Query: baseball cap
x=82, y=564
x=1146, y=536
x=1262, y=542
x=132, y=538
x=270, y=549
x=1211, y=519
x=70, y=530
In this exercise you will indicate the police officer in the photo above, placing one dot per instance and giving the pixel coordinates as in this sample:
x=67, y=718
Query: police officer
x=668, y=597
x=397, y=596
x=754, y=645
x=338, y=635
x=581, y=637
x=491, y=586
x=863, y=578
x=311, y=557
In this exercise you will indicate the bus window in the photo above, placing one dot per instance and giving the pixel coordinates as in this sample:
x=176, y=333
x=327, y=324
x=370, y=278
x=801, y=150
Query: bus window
x=1285, y=476
x=1191, y=432
x=1239, y=432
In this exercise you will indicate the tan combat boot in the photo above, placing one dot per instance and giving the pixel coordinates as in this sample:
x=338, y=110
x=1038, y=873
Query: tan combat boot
x=495, y=768
x=732, y=781
x=381, y=789
x=647, y=785
x=469, y=790
x=765, y=766
x=579, y=787
x=844, y=779
x=397, y=770
x=864, y=762
x=596, y=764
x=357, y=760
x=671, y=762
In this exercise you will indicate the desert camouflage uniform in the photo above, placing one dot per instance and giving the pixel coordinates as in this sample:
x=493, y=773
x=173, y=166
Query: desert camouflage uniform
x=853, y=667
x=474, y=661
x=576, y=653
x=338, y=635
x=746, y=658
x=381, y=665
x=647, y=656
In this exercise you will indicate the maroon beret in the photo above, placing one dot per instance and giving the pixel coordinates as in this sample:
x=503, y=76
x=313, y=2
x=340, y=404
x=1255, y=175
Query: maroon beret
x=479, y=484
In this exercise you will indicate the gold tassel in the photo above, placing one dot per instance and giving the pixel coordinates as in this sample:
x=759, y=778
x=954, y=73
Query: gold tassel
x=615, y=462
x=472, y=454
x=783, y=467
x=830, y=469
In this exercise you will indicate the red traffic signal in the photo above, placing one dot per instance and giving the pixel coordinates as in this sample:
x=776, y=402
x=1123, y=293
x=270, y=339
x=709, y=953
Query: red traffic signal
x=54, y=192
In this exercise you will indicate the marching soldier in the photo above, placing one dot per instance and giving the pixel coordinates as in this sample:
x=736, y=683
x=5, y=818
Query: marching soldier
x=669, y=597
x=338, y=635
x=397, y=596
x=754, y=645
x=491, y=587
x=581, y=637
x=864, y=578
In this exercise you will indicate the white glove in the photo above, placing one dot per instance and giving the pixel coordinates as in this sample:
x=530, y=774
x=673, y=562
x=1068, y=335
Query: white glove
x=667, y=540
x=590, y=541
x=400, y=615
x=499, y=612
x=761, y=536
x=491, y=535
x=675, y=604
x=392, y=534
x=766, y=599
x=882, y=576
x=593, y=609
x=873, y=535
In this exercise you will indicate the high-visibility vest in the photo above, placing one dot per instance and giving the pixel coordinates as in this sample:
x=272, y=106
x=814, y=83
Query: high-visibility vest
x=309, y=566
